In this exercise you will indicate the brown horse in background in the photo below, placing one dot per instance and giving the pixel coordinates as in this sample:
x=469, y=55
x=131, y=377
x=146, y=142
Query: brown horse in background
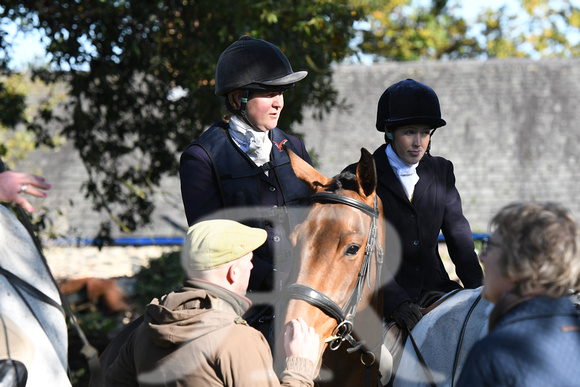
x=336, y=275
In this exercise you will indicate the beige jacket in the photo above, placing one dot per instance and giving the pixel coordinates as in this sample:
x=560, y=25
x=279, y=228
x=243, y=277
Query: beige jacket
x=196, y=337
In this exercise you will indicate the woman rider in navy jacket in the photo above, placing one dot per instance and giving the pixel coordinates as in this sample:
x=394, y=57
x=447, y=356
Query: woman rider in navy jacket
x=532, y=265
x=420, y=200
x=239, y=166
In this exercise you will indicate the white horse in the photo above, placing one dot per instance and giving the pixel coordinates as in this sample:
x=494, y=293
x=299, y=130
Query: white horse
x=444, y=337
x=30, y=298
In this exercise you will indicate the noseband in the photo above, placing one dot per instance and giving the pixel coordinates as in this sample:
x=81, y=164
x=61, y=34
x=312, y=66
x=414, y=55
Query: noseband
x=344, y=316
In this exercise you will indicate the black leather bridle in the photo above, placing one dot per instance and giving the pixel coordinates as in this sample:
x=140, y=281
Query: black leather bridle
x=344, y=316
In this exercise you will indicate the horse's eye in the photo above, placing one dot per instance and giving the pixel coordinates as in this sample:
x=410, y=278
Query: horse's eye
x=352, y=250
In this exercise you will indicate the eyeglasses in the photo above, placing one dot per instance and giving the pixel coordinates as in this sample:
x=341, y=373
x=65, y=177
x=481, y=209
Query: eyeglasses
x=487, y=244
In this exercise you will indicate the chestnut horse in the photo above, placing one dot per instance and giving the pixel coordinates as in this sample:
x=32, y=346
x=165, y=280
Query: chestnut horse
x=334, y=283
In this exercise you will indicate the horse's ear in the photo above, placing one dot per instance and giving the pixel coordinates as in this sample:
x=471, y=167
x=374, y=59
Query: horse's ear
x=366, y=172
x=306, y=172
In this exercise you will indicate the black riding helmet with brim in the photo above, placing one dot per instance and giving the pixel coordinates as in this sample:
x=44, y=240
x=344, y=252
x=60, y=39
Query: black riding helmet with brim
x=254, y=64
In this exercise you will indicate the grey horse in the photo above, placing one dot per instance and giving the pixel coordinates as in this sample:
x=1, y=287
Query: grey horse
x=444, y=337
x=39, y=312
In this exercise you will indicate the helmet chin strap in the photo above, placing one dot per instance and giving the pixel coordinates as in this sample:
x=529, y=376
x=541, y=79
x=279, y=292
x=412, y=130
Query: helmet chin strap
x=242, y=110
x=429, y=145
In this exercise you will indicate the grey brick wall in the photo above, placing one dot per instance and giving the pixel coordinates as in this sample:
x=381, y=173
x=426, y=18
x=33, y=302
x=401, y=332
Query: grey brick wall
x=512, y=127
x=512, y=134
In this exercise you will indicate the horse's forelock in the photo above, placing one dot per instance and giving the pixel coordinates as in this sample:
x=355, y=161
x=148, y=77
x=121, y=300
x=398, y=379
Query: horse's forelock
x=344, y=180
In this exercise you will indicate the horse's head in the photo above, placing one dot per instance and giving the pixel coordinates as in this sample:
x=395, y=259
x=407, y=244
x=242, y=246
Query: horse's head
x=338, y=252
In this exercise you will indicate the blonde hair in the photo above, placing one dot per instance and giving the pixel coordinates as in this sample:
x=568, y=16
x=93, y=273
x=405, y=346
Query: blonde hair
x=540, y=248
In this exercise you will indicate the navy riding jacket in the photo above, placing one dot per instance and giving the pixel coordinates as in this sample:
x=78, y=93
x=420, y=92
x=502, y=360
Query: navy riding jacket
x=435, y=207
x=536, y=344
x=242, y=183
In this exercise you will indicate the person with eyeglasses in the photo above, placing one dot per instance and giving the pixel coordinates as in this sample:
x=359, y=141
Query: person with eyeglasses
x=532, y=266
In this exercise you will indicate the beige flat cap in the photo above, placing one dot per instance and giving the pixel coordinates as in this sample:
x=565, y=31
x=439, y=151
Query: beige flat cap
x=212, y=243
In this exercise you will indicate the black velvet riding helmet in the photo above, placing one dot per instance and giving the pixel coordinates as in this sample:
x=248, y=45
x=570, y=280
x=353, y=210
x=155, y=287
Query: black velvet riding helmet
x=254, y=64
x=408, y=102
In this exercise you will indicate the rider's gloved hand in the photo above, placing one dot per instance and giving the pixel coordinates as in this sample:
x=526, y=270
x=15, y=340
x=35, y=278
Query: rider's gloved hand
x=408, y=315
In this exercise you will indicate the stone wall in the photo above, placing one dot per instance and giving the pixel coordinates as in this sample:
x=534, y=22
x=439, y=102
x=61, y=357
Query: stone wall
x=511, y=134
x=511, y=127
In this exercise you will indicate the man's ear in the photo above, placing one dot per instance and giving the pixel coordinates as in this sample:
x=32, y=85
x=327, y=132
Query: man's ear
x=232, y=273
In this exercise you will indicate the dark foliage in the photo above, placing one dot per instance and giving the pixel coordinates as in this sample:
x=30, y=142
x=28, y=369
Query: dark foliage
x=141, y=79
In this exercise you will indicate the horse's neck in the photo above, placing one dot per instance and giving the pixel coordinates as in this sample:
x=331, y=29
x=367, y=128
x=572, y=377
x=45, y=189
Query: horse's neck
x=44, y=324
x=444, y=337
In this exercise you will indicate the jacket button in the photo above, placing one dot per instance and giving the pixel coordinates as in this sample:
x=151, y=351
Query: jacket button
x=412, y=215
x=415, y=243
x=418, y=268
x=272, y=189
x=276, y=238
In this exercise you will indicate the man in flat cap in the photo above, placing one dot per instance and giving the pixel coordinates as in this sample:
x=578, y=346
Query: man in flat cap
x=197, y=337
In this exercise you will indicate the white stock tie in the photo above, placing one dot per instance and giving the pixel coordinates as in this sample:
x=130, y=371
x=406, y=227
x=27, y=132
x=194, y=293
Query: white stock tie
x=407, y=174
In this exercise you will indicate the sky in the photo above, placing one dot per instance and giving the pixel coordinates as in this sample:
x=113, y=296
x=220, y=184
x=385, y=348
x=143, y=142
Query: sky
x=29, y=47
x=25, y=47
x=470, y=8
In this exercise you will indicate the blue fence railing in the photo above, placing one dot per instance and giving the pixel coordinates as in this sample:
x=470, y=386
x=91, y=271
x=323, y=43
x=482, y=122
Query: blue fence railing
x=476, y=237
x=175, y=241
x=128, y=241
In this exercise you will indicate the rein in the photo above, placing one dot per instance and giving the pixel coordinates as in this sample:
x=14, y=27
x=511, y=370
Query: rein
x=421, y=359
x=18, y=283
x=461, y=338
x=344, y=316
